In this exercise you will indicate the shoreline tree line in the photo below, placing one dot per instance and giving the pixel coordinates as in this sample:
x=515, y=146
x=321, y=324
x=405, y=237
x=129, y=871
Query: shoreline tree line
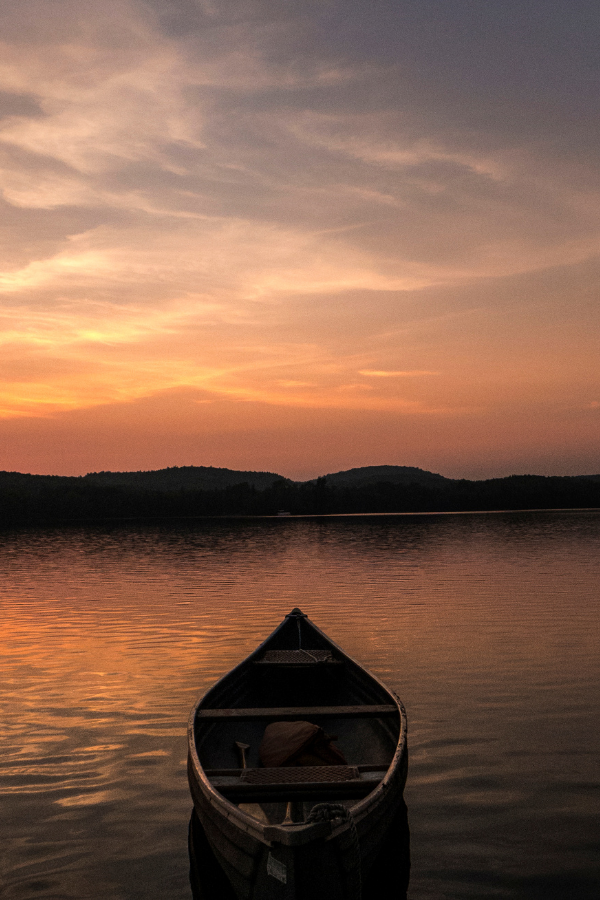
x=38, y=499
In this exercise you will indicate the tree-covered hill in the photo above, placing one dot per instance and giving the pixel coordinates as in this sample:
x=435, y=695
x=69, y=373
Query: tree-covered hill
x=383, y=474
x=204, y=491
x=183, y=478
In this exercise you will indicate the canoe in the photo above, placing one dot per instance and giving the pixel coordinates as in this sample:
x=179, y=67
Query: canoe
x=297, y=831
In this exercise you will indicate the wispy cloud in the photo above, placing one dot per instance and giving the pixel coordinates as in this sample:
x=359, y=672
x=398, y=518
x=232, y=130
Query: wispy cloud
x=385, y=373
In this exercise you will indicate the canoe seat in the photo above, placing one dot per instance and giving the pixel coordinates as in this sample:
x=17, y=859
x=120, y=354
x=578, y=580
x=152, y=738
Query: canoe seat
x=299, y=774
x=304, y=657
x=302, y=783
x=299, y=712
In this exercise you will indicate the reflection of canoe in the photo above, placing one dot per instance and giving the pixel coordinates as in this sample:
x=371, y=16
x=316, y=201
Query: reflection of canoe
x=297, y=831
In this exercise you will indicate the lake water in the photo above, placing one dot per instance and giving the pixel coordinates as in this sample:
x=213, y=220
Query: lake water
x=486, y=625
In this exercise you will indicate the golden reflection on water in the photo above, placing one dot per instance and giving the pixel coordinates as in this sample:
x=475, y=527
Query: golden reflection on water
x=485, y=625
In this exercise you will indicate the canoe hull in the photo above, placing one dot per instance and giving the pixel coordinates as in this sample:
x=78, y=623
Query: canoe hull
x=309, y=860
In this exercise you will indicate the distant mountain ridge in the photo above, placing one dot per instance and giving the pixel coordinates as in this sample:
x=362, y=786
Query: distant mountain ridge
x=211, y=478
x=379, y=474
x=184, y=478
x=205, y=491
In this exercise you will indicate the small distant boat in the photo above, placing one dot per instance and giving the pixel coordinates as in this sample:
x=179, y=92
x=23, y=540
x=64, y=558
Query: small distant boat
x=283, y=512
x=306, y=820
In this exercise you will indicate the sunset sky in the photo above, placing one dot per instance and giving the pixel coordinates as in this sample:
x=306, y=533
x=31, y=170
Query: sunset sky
x=300, y=237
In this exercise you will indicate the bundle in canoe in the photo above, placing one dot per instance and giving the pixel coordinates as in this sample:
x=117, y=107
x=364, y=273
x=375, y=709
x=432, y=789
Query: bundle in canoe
x=297, y=761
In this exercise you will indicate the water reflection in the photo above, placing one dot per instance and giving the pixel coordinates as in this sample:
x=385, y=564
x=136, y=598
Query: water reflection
x=388, y=879
x=487, y=627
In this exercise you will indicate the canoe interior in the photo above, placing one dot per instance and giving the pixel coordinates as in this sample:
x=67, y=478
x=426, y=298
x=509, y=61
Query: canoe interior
x=326, y=680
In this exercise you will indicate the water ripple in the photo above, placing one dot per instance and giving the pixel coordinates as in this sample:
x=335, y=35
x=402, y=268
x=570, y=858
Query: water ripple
x=487, y=626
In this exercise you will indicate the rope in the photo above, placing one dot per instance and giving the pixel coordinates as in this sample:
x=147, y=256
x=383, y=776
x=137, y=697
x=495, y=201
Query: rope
x=327, y=812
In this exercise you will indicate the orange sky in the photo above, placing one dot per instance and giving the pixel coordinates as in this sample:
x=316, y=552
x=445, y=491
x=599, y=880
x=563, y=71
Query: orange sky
x=255, y=236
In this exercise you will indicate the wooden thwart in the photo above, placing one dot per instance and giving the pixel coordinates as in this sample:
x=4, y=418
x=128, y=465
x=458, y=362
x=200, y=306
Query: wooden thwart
x=300, y=712
x=368, y=767
x=299, y=775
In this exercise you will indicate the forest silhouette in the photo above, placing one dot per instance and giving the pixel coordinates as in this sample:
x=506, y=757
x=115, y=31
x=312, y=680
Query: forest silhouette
x=193, y=491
